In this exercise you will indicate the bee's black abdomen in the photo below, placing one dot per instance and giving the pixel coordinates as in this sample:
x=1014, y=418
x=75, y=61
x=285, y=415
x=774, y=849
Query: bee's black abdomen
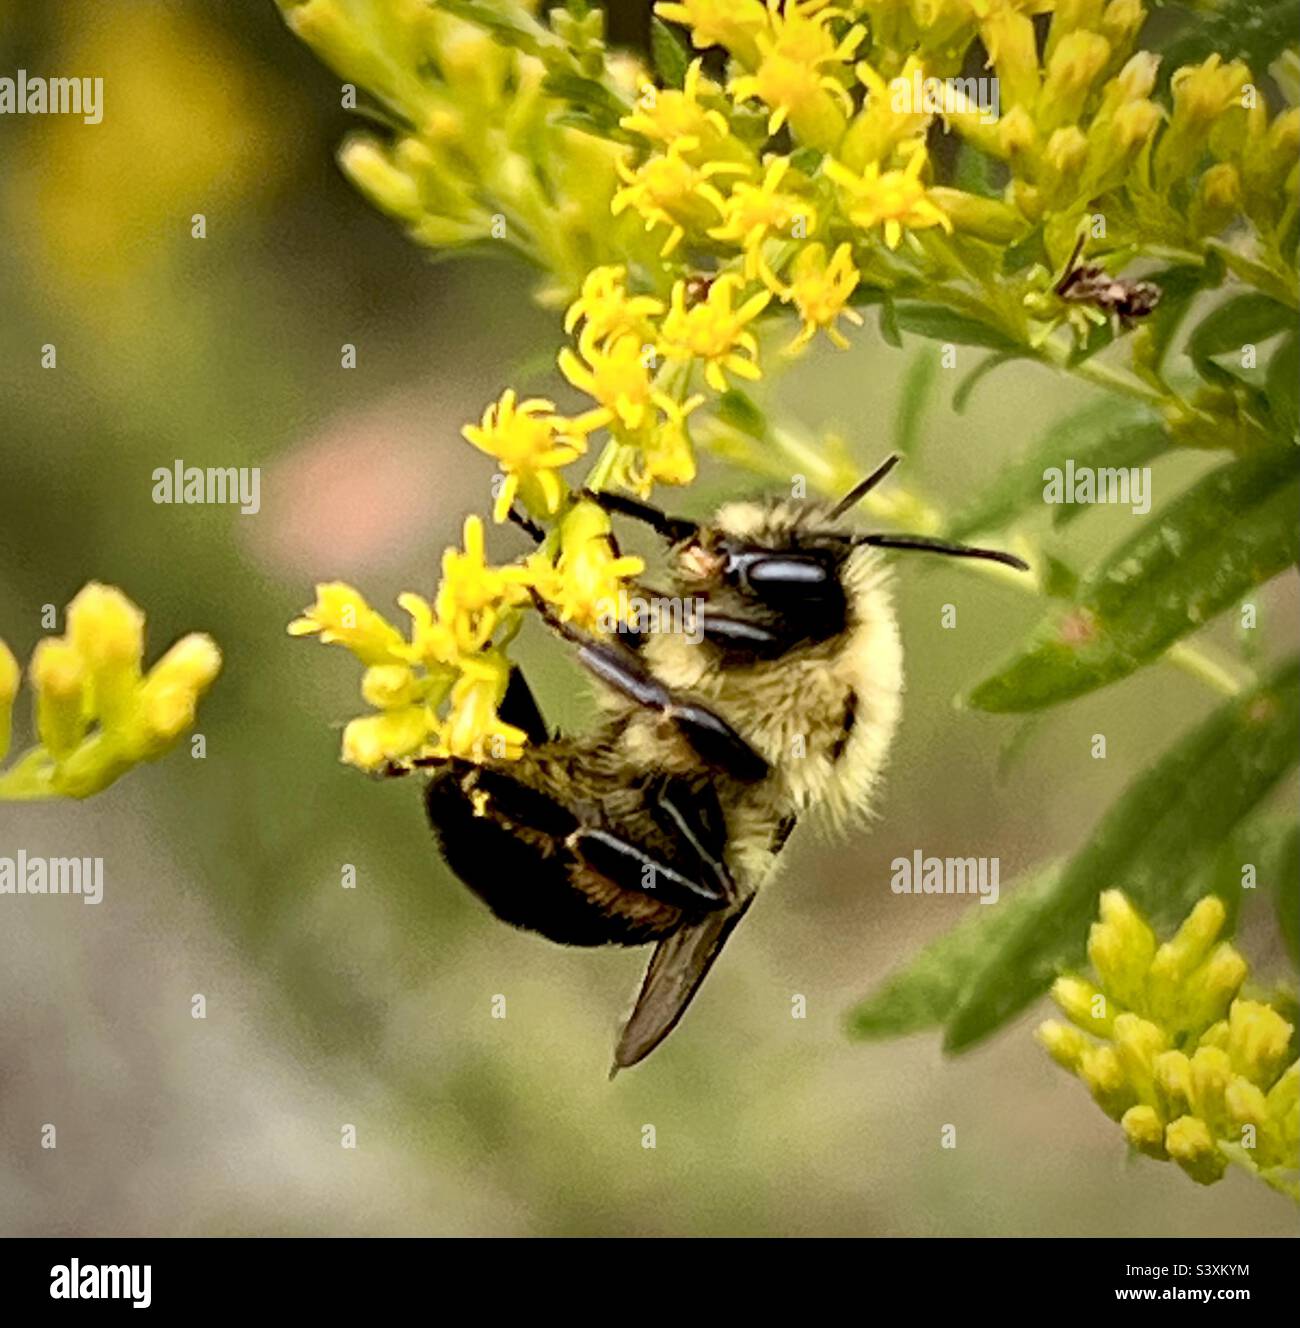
x=507, y=843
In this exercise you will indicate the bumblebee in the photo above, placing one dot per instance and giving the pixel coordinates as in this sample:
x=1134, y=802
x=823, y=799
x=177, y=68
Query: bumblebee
x=1119, y=297
x=661, y=825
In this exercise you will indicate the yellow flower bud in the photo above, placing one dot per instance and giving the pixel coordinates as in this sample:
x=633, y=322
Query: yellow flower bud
x=108, y=631
x=1219, y=198
x=1211, y=1074
x=59, y=675
x=1013, y=50
x=1135, y=81
x=1134, y=123
x=1145, y=1130
x=1173, y=1079
x=1258, y=1040
x=1191, y=1145
x=1065, y=1045
x=10, y=677
x=389, y=686
x=1016, y=132
x=1101, y=1070
x=372, y=171
x=341, y=615
x=1121, y=22
x=1084, y=1005
x=1073, y=68
x=1120, y=947
x=1066, y=152
x=1203, y=92
x=1138, y=1042
x=373, y=740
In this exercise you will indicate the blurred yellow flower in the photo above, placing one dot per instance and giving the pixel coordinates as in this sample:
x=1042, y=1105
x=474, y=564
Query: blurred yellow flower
x=731, y=23
x=97, y=712
x=1191, y=1071
x=666, y=115
x=667, y=190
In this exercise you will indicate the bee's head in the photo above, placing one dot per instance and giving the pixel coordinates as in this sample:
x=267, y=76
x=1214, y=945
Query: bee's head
x=779, y=575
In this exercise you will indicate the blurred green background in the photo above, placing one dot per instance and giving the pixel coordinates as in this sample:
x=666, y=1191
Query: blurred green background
x=373, y=1006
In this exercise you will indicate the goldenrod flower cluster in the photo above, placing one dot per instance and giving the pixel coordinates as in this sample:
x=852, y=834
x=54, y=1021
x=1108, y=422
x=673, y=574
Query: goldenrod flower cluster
x=1193, y=1071
x=97, y=712
x=787, y=181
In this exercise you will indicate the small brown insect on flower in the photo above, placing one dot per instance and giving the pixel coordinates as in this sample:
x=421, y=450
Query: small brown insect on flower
x=1090, y=283
x=698, y=285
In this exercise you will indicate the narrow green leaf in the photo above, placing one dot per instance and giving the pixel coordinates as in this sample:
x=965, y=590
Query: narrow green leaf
x=940, y=323
x=1230, y=532
x=913, y=399
x=519, y=30
x=1031, y=249
x=1149, y=844
x=925, y=992
x=739, y=410
x=889, y=322
x=961, y=397
x=1281, y=384
x=1243, y=320
x=671, y=58
x=1106, y=432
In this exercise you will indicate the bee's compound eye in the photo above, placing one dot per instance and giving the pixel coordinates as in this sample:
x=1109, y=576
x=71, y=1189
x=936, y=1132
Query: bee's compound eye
x=781, y=572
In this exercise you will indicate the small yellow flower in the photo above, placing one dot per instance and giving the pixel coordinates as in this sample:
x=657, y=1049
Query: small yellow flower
x=607, y=307
x=616, y=375
x=752, y=212
x=472, y=595
x=713, y=332
x=474, y=729
x=1192, y=1071
x=342, y=617
x=895, y=198
x=667, y=190
x=531, y=443
x=790, y=77
x=666, y=115
x=730, y=23
x=666, y=454
x=585, y=580
x=820, y=291
x=1203, y=92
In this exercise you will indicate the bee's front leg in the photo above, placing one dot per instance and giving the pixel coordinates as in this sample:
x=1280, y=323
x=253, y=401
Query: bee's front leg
x=712, y=737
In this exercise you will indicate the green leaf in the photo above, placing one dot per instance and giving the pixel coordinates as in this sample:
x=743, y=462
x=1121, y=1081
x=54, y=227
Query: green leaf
x=1026, y=251
x=1253, y=30
x=599, y=109
x=1106, y=432
x=940, y=323
x=1230, y=532
x=1243, y=320
x=1286, y=891
x=889, y=322
x=913, y=399
x=1280, y=387
x=518, y=29
x=1149, y=844
x=739, y=410
x=961, y=397
x=925, y=992
x=671, y=57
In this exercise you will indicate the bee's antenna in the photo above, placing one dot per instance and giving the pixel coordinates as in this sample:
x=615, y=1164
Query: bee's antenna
x=674, y=529
x=925, y=544
x=864, y=487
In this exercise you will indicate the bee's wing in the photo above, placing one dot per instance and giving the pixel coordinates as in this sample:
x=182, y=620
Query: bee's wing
x=678, y=966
